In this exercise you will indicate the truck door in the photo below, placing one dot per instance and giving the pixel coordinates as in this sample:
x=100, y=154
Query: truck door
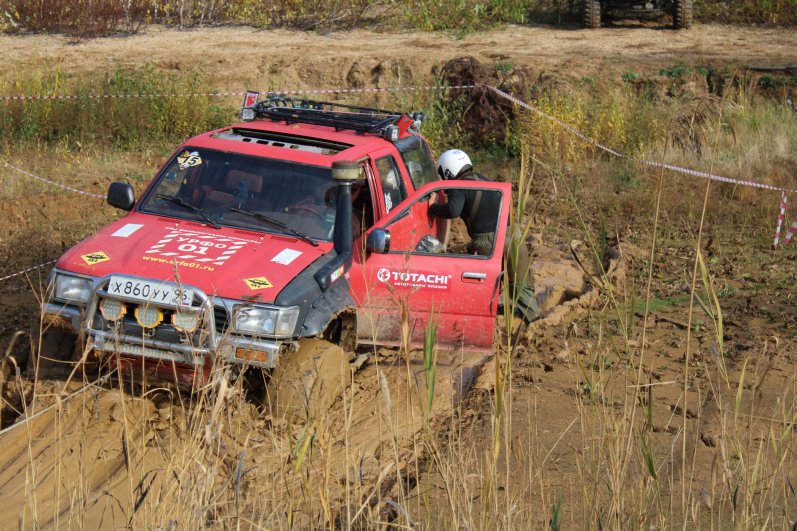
x=457, y=289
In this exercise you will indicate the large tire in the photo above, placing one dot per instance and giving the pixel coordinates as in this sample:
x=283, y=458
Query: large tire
x=592, y=14
x=56, y=352
x=682, y=14
x=61, y=354
x=306, y=383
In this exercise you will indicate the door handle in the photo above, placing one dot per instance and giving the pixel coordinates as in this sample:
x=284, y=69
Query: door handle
x=476, y=278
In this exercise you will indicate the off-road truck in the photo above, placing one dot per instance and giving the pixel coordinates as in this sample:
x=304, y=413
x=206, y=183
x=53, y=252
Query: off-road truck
x=289, y=238
x=680, y=10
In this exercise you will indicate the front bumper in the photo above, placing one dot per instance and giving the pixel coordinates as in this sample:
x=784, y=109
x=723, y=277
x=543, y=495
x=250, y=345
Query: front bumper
x=165, y=343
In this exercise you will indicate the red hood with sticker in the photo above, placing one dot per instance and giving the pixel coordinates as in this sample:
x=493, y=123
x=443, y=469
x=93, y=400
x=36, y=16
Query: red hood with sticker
x=228, y=262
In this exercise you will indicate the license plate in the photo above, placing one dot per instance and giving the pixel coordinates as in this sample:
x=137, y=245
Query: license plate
x=149, y=291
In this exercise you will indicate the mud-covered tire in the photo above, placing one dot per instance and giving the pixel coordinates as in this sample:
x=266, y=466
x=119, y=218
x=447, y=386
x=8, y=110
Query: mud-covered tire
x=58, y=352
x=307, y=382
x=682, y=14
x=592, y=14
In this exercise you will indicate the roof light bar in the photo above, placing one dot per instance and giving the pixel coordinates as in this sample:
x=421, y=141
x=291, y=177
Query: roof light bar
x=388, y=124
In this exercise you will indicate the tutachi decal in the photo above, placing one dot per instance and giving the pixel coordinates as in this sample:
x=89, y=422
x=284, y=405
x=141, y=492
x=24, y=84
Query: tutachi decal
x=406, y=279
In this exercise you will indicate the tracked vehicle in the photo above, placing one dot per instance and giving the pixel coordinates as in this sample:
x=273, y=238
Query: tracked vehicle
x=680, y=10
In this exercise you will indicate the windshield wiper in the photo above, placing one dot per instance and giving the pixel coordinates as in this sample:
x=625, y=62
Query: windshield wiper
x=190, y=206
x=278, y=224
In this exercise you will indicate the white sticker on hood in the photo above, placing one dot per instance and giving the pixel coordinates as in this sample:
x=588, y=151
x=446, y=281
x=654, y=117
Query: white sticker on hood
x=127, y=230
x=286, y=256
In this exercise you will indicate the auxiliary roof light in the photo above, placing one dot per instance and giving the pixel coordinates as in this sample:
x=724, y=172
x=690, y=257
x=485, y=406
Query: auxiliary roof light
x=390, y=133
x=247, y=115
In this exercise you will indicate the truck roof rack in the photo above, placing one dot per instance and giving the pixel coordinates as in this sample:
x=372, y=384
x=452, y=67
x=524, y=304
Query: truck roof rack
x=338, y=115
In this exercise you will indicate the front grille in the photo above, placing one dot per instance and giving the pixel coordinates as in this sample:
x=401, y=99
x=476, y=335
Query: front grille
x=221, y=317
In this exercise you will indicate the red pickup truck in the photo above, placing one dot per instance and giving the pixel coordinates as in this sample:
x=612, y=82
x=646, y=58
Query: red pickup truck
x=305, y=221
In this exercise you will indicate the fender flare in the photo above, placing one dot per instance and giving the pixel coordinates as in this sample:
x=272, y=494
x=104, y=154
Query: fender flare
x=332, y=303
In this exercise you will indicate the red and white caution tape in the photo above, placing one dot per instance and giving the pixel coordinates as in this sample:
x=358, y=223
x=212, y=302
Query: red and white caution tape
x=42, y=97
x=655, y=164
x=52, y=183
x=784, y=199
x=28, y=270
x=790, y=233
x=370, y=89
x=227, y=94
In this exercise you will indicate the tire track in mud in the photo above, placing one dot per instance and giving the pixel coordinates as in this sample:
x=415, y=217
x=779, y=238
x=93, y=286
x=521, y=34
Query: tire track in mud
x=79, y=461
x=71, y=455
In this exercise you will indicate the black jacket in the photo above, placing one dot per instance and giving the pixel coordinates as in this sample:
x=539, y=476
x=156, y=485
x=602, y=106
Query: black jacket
x=461, y=204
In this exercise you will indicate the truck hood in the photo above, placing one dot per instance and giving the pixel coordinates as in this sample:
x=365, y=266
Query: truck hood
x=228, y=262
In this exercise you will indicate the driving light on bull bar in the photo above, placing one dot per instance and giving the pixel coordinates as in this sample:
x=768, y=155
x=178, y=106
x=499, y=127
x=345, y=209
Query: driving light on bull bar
x=259, y=320
x=148, y=316
x=72, y=289
x=112, y=309
x=185, y=322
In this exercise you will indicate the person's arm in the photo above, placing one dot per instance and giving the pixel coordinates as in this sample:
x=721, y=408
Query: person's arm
x=450, y=209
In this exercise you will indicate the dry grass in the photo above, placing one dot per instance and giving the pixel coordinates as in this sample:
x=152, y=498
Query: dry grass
x=82, y=19
x=665, y=404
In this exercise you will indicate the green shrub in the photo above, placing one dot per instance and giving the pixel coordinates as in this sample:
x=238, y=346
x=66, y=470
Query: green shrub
x=115, y=121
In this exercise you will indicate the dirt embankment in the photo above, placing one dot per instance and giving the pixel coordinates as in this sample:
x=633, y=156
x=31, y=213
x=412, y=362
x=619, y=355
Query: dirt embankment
x=233, y=58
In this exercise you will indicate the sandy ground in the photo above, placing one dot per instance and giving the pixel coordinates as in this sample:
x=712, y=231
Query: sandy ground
x=233, y=58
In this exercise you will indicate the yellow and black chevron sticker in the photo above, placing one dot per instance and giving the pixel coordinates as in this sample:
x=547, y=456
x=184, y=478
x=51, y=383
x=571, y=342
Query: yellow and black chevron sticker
x=95, y=258
x=258, y=283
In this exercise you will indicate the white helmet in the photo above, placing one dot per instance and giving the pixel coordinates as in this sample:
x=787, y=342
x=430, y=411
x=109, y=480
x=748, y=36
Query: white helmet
x=452, y=163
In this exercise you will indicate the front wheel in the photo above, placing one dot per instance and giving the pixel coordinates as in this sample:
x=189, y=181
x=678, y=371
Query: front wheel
x=682, y=14
x=61, y=354
x=592, y=14
x=307, y=382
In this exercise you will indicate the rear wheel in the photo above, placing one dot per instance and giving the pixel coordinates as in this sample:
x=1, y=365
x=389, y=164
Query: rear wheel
x=682, y=14
x=592, y=14
x=307, y=382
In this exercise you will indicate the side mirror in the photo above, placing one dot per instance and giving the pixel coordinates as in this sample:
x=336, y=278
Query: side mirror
x=378, y=241
x=120, y=195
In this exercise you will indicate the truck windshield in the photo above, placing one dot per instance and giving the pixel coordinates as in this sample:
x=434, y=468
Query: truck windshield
x=214, y=186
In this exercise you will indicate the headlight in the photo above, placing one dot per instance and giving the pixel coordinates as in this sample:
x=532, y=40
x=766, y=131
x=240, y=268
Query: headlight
x=72, y=289
x=259, y=320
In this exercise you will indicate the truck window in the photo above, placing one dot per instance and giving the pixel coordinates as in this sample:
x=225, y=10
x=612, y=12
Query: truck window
x=411, y=233
x=418, y=160
x=392, y=189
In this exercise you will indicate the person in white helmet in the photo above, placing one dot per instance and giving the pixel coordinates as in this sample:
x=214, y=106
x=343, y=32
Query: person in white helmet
x=479, y=210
